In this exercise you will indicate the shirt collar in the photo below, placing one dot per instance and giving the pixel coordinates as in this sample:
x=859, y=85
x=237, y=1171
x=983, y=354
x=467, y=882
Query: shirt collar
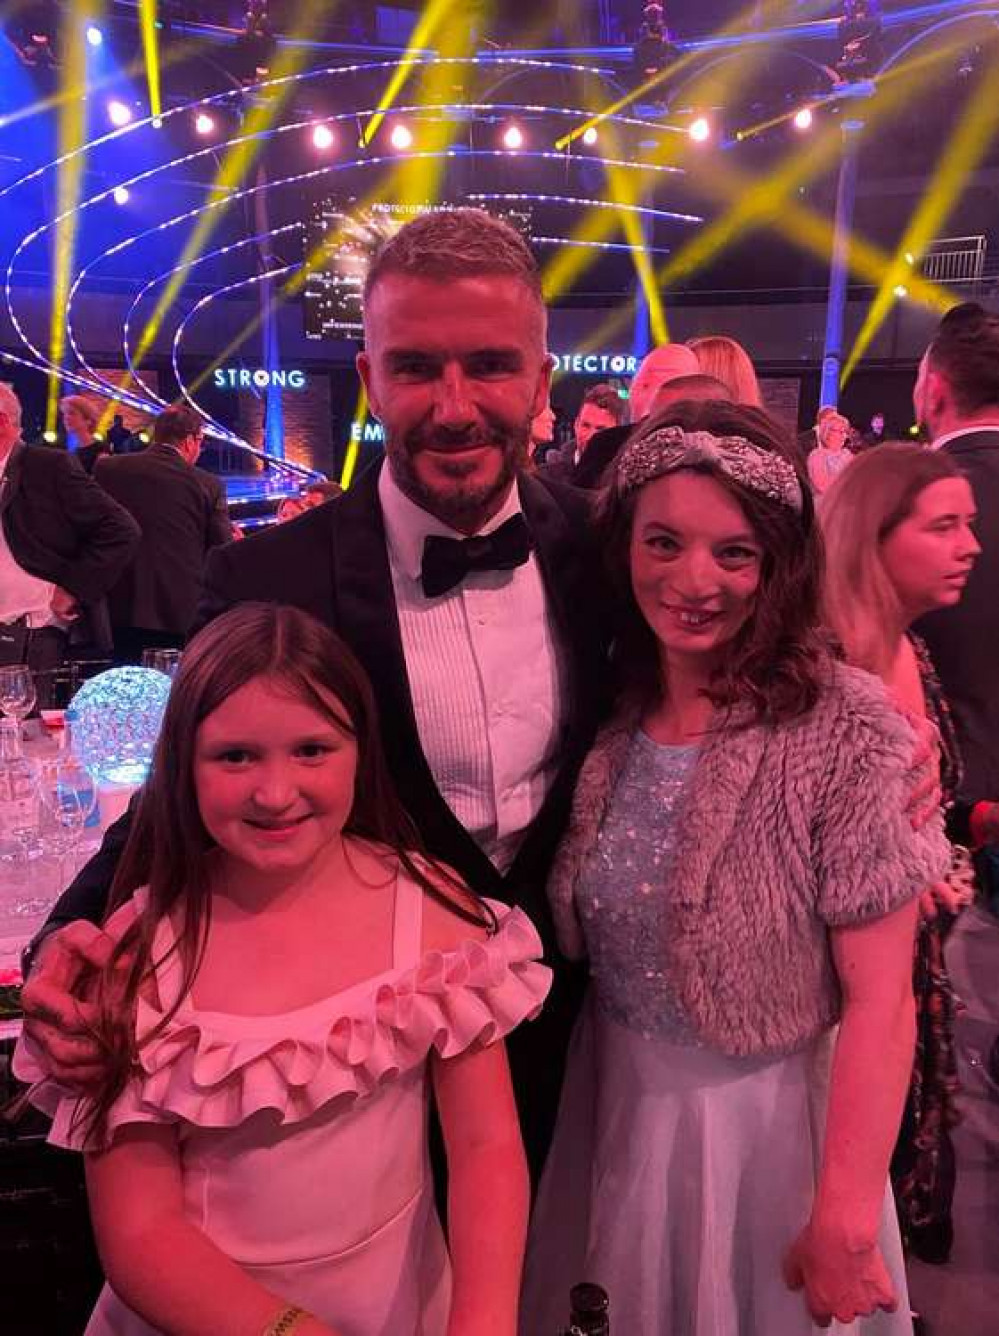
x=408, y=526
x=963, y=431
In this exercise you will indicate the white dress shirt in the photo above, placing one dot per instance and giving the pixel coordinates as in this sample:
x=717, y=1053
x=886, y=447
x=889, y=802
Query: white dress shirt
x=484, y=676
x=941, y=441
x=21, y=594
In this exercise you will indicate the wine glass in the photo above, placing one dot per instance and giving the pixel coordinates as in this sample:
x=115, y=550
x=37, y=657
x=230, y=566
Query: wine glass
x=162, y=660
x=68, y=794
x=17, y=691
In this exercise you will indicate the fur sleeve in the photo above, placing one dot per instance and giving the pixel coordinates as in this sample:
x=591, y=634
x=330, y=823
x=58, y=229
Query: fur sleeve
x=868, y=858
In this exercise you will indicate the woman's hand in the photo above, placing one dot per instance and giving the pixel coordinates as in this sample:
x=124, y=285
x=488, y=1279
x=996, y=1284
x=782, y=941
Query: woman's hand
x=842, y=1279
x=941, y=895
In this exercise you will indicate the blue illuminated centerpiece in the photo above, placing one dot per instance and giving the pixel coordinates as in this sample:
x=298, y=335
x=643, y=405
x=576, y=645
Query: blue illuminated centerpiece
x=115, y=720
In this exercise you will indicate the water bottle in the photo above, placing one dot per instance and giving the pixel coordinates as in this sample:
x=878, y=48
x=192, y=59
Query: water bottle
x=19, y=812
x=589, y=1311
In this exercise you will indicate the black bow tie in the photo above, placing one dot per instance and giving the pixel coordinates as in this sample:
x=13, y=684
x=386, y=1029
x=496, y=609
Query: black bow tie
x=446, y=561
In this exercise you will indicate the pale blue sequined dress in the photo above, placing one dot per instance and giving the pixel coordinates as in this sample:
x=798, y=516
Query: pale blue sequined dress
x=678, y=1176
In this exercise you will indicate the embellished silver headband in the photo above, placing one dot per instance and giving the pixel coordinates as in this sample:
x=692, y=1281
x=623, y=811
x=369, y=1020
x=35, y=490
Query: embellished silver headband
x=672, y=448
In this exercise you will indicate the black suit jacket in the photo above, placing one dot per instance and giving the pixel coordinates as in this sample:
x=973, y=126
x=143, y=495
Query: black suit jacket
x=182, y=514
x=603, y=448
x=333, y=563
x=60, y=526
x=962, y=640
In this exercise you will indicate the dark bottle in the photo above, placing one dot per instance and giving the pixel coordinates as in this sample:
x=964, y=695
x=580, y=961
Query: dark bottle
x=589, y=1311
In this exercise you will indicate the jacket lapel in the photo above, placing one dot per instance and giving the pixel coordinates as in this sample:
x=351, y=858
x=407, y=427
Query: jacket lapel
x=11, y=477
x=367, y=619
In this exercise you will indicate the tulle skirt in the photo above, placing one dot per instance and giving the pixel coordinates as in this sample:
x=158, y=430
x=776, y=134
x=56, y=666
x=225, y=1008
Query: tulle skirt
x=678, y=1179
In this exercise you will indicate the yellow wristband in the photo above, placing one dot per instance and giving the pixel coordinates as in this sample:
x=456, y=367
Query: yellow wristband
x=287, y=1320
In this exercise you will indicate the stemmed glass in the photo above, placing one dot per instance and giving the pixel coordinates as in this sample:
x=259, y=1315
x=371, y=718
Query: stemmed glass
x=162, y=660
x=17, y=692
x=68, y=794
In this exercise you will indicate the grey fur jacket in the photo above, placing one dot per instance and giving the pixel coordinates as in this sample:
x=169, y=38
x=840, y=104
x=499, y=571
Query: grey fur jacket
x=783, y=833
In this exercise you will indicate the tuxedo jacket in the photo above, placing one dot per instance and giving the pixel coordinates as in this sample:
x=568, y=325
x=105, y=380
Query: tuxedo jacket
x=333, y=563
x=962, y=640
x=61, y=527
x=182, y=513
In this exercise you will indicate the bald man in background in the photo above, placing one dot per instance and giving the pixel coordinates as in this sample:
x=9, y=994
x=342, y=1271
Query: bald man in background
x=658, y=368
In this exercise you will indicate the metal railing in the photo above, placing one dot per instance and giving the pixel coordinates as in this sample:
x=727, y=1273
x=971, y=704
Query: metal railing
x=956, y=260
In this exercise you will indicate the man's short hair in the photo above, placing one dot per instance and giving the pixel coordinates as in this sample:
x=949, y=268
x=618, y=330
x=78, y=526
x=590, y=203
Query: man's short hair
x=965, y=351
x=700, y=387
x=606, y=398
x=455, y=243
x=175, y=425
x=10, y=404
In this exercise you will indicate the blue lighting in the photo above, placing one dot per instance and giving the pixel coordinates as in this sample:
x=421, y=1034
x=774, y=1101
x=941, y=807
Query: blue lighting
x=115, y=719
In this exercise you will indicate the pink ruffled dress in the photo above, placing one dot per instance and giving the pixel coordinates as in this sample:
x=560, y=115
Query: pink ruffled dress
x=303, y=1136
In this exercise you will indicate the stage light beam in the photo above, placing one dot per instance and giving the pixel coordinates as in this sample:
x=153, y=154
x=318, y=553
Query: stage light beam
x=401, y=137
x=955, y=167
x=804, y=119
x=121, y=195
x=204, y=124
x=151, y=53
x=95, y=37
x=322, y=138
x=434, y=15
x=700, y=130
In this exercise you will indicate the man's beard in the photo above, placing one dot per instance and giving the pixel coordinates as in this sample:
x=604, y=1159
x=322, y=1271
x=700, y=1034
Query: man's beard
x=465, y=504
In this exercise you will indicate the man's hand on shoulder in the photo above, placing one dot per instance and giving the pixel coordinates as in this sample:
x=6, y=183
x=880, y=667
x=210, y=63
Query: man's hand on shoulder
x=60, y=1012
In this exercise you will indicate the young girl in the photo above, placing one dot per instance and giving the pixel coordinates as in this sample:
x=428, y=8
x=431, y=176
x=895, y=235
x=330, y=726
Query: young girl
x=741, y=871
x=900, y=544
x=294, y=981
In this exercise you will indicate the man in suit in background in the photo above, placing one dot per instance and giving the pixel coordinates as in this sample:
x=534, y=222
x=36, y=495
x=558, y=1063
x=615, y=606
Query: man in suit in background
x=182, y=513
x=660, y=366
x=469, y=589
x=957, y=401
x=63, y=544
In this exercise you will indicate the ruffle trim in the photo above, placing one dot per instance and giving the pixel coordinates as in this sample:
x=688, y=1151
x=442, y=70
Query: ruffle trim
x=448, y=1003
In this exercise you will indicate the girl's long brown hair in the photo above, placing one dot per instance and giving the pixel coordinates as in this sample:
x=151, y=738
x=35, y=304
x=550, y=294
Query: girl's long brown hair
x=169, y=850
x=779, y=659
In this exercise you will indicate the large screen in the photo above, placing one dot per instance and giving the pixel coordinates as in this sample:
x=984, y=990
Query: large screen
x=340, y=237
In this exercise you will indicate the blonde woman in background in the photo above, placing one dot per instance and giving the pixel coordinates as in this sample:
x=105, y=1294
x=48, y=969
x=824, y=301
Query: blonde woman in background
x=899, y=543
x=80, y=417
x=831, y=456
x=728, y=362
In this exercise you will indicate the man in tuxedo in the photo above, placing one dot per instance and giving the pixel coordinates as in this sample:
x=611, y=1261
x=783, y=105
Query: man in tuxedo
x=63, y=543
x=182, y=513
x=469, y=590
x=957, y=401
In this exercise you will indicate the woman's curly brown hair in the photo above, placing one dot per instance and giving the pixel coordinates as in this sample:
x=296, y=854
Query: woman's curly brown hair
x=780, y=658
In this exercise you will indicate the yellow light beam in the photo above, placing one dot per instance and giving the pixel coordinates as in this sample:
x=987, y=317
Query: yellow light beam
x=423, y=34
x=960, y=157
x=354, y=447
x=719, y=84
x=416, y=181
x=750, y=20
x=753, y=203
x=151, y=52
x=71, y=136
x=235, y=166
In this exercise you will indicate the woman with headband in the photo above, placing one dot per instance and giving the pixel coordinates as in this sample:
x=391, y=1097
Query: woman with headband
x=742, y=873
